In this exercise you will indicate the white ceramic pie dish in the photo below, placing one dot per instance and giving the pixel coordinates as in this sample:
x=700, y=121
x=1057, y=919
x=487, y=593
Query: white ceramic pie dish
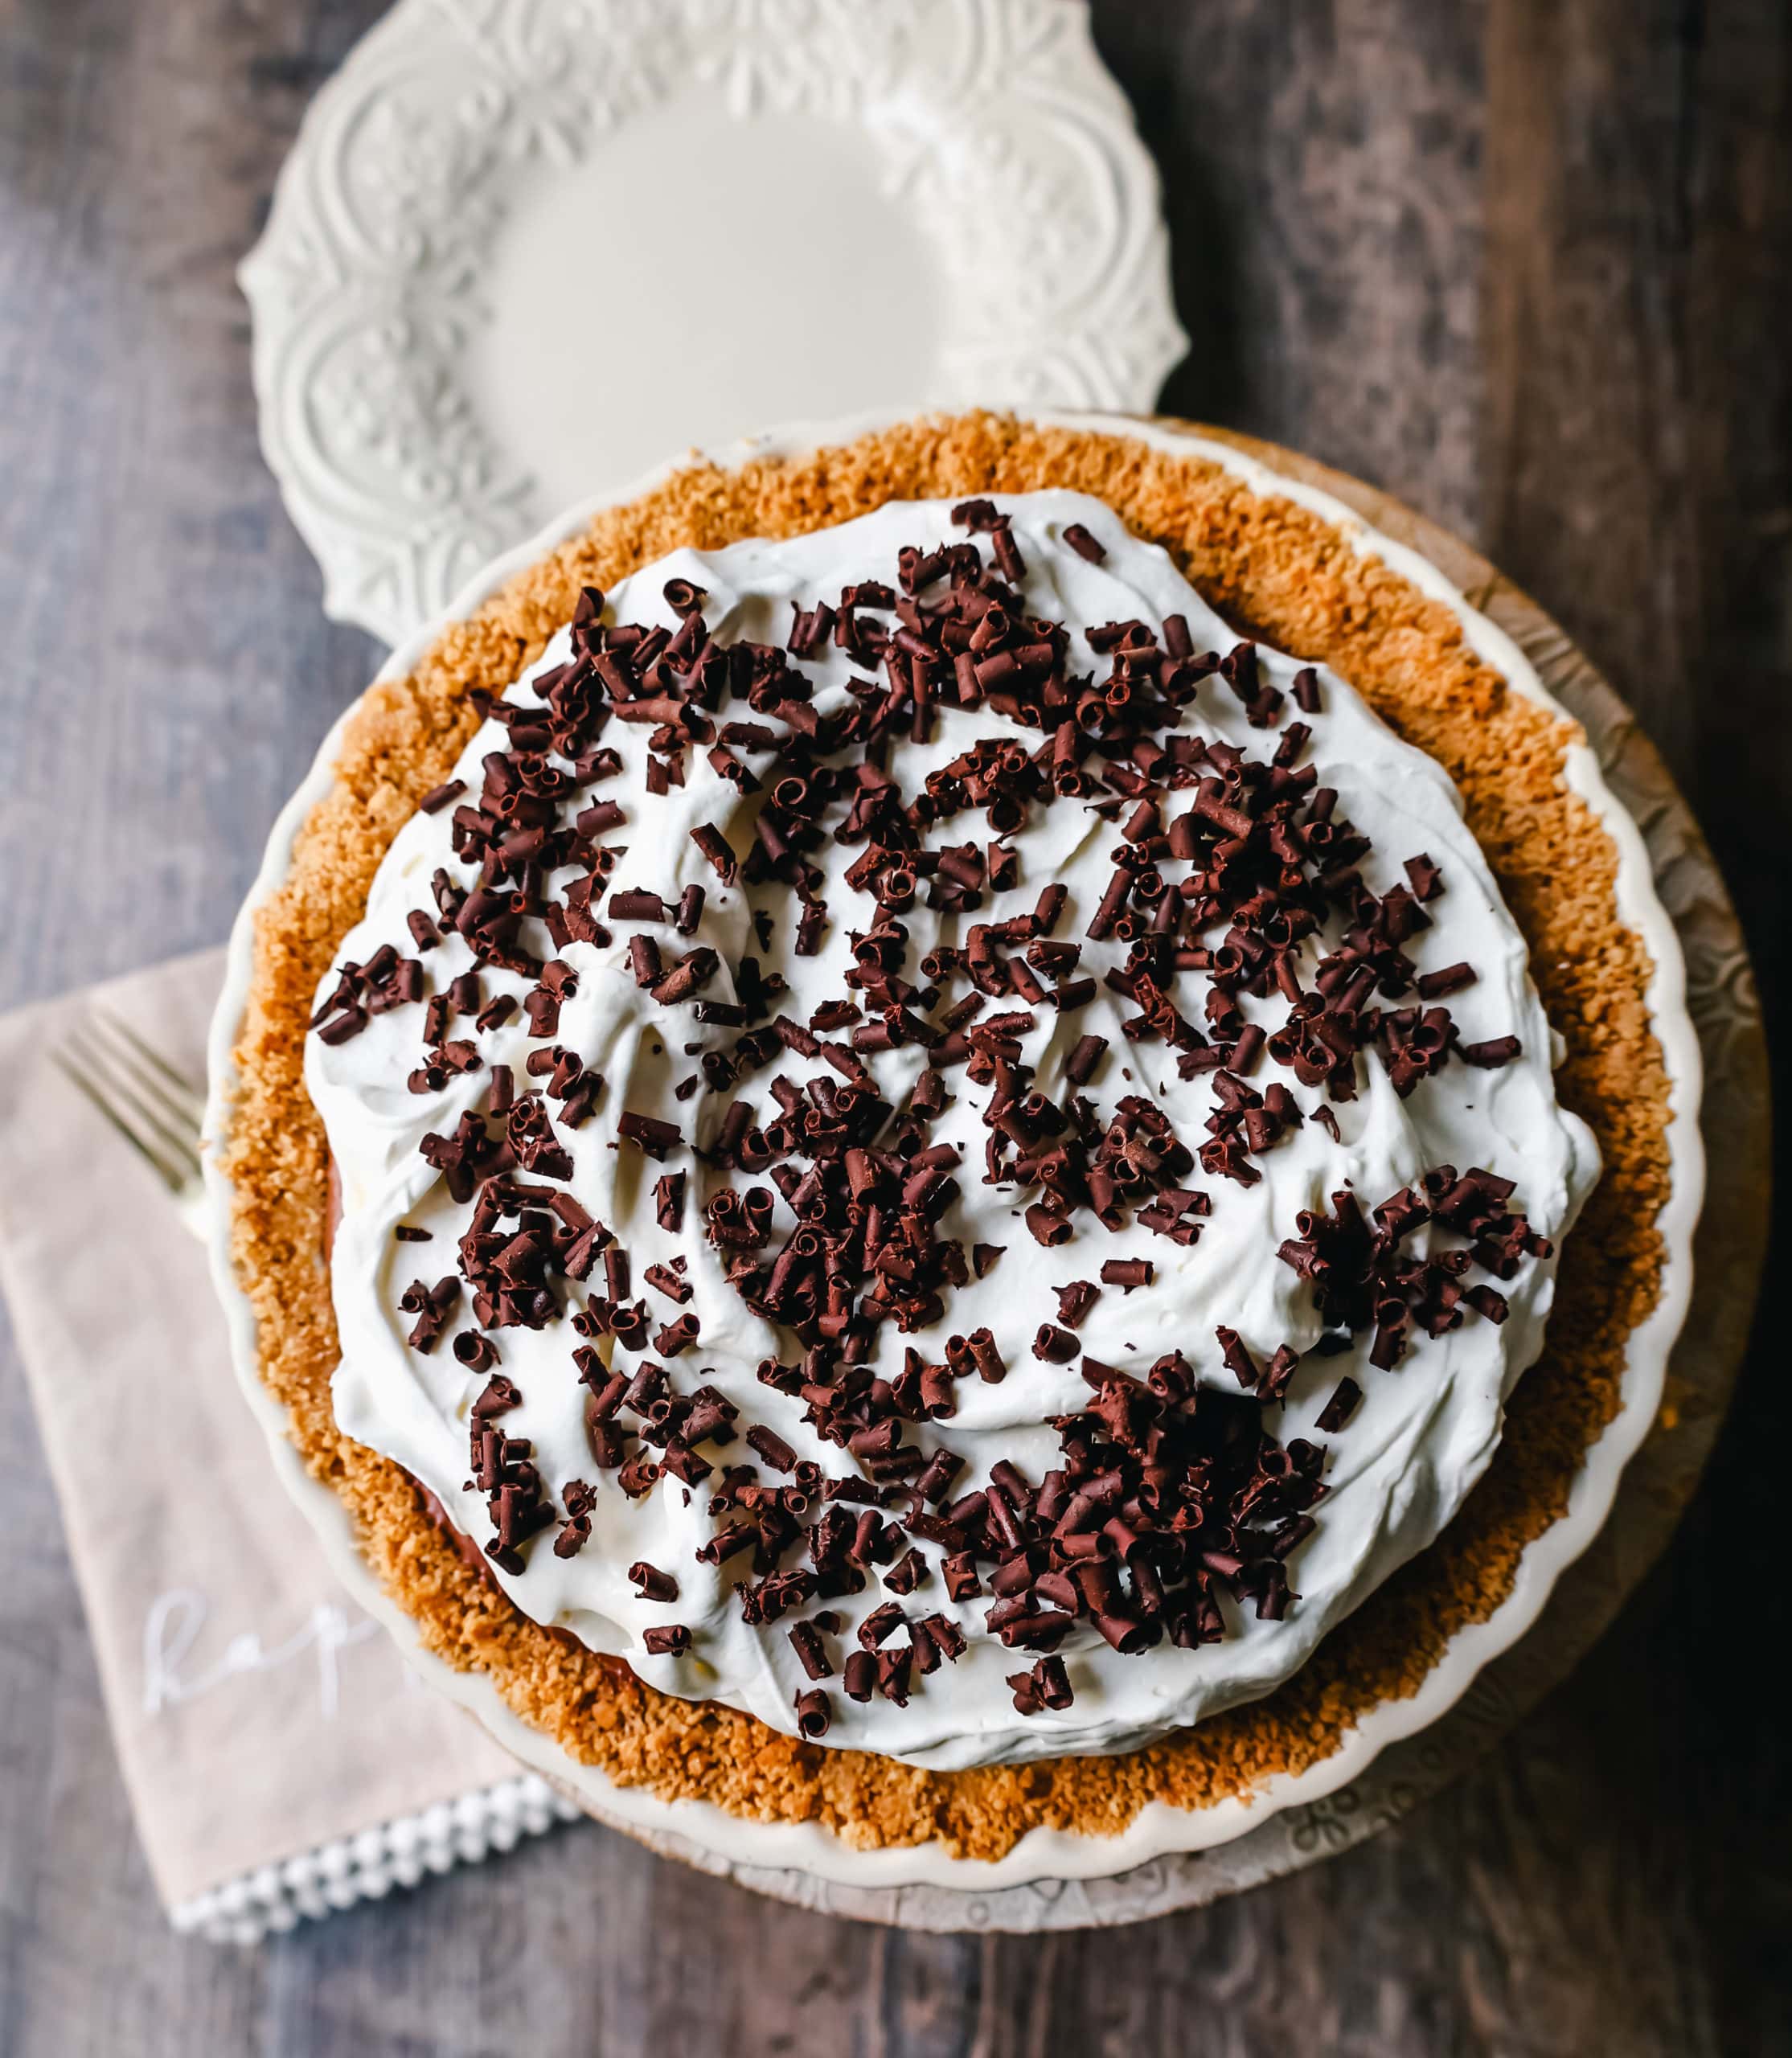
x=706, y=1835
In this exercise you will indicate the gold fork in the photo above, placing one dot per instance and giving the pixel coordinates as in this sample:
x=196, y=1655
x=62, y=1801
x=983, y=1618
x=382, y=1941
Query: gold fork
x=156, y=1109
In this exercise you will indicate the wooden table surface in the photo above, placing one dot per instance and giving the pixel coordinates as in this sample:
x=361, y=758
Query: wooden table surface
x=1527, y=264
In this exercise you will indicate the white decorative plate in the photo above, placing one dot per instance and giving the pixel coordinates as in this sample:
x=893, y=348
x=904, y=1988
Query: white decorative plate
x=524, y=247
x=1166, y=1857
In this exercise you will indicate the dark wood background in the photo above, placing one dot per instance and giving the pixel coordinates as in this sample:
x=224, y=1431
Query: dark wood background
x=1526, y=263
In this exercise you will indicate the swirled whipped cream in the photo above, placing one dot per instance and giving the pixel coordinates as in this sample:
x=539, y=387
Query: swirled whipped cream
x=934, y=1149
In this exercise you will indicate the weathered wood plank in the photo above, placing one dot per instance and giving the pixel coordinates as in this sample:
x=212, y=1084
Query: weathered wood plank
x=1322, y=186
x=1638, y=482
x=1526, y=264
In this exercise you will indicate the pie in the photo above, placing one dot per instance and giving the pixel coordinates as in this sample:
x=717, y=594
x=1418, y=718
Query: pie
x=995, y=1137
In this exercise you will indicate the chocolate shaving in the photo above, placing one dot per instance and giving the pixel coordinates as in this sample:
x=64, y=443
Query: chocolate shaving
x=1491, y=1056
x=714, y=847
x=1433, y=986
x=1427, y=880
x=1076, y=1300
x=1340, y=1408
x=806, y=1640
x=1127, y=1272
x=1085, y=545
x=1079, y=1067
x=648, y=1133
x=651, y=1584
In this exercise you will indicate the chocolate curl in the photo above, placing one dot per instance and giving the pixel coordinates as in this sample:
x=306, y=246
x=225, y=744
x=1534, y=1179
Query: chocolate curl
x=1247, y=1050
x=893, y=1666
x=1074, y=1301
x=1127, y=1272
x=806, y=1640
x=1113, y=901
x=1235, y=1358
x=599, y=819
x=1030, y=1689
x=1277, y=1374
x=664, y=1279
x=1451, y=979
x=985, y=1358
x=644, y=959
x=1427, y=881
x=1045, y=916
x=773, y=1449
x=978, y=516
x=693, y=971
x=438, y=796
x=714, y=847
x=881, y=1623
x=651, y=1584
x=648, y=1133
x=944, y=1634
x=1490, y=1056
x=475, y=1351
x=677, y=1336
x=1079, y=1067
x=1085, y=545
x=639, y=905
x=608, y=1440
x=961, y=1576
x=1340, y=1408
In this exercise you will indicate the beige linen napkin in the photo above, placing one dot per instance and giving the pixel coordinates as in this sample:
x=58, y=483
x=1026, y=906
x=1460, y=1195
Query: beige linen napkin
x=280, y=1758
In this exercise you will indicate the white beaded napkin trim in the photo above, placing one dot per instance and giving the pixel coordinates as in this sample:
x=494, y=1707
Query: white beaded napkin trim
x=399, y=1853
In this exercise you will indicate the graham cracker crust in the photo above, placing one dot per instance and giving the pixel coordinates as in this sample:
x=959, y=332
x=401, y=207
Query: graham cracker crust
x=1280, y=573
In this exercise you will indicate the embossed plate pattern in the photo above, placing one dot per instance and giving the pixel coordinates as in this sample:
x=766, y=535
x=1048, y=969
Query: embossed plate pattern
x=523, y=248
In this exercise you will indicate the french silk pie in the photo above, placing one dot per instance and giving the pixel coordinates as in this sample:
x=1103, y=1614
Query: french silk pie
x=946, y=1136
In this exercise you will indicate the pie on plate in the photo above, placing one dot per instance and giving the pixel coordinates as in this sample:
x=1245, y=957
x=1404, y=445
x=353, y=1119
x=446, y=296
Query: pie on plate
x=1011, y=1127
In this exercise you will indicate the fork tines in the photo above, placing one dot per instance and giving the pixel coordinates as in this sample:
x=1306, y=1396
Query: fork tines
x=156, y=1110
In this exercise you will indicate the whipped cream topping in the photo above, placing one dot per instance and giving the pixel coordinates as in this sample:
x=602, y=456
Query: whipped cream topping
x=1394, y=1473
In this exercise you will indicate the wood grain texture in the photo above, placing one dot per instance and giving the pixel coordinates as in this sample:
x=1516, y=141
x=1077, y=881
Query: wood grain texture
x=1525, y=263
